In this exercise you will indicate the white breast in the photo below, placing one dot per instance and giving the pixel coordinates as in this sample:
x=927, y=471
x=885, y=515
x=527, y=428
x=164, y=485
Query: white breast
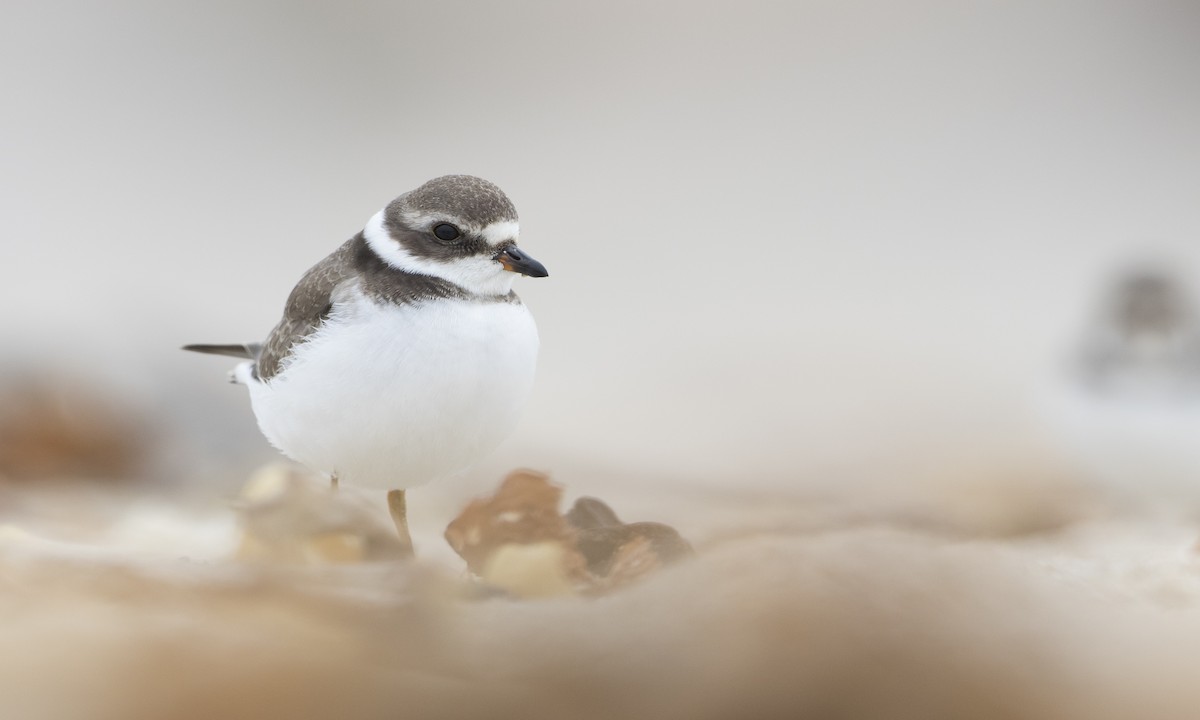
x=391, y=396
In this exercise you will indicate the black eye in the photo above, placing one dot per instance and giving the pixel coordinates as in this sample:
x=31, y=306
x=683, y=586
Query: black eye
x=446, y=232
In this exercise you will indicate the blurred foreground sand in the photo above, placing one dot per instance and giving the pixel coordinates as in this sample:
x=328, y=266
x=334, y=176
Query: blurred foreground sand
x=1042, y=606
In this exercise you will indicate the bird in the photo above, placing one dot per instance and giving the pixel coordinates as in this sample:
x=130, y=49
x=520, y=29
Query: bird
x=1127, y=409
x=404, y=356
x=1148, y=339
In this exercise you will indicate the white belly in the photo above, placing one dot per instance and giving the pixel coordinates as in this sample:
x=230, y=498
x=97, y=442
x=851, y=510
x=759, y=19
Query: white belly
x=391, y=396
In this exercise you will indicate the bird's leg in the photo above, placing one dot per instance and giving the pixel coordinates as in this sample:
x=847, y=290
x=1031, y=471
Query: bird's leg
x=333, y=481
x=398, y=507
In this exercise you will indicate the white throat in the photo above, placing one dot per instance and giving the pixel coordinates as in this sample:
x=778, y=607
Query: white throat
x=479, y=275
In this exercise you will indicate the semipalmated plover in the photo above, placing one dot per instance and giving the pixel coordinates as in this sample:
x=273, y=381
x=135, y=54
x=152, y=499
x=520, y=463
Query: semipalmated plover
x=1128, y=410
x=1147, y=340
x=404, y=356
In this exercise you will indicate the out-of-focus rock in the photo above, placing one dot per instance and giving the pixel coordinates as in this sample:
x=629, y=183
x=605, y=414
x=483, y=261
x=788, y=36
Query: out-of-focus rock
x=589, y=513
x=60, y=429
x=533, y=570
x=290, y=515
x=518, y=541
x=619, y=553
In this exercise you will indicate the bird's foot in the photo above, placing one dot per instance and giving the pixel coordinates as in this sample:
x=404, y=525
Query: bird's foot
x=398, y=507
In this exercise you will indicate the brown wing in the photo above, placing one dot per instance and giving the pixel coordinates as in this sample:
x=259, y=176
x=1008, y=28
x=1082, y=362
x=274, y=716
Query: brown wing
x=307, y=307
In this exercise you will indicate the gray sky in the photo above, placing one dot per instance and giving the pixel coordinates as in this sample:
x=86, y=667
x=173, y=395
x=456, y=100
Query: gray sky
x=781, y=236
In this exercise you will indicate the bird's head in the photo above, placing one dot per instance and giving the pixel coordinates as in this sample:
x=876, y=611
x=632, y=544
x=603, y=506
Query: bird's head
x=459, y=228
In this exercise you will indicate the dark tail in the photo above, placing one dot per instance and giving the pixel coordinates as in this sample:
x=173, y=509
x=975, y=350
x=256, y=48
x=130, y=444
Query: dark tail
x=250, y=351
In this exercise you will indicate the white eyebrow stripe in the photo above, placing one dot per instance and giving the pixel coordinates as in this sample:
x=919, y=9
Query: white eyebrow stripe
x=498, y=232
x=392, y=252
x=479, y=274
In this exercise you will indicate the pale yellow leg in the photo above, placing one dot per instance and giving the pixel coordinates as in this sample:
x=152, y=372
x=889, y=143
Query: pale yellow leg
x=398, y=507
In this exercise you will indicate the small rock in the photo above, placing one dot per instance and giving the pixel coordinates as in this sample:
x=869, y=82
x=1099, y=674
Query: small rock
x=523, y=511
x=517, y=541
x=533, y=570
x=288, y=514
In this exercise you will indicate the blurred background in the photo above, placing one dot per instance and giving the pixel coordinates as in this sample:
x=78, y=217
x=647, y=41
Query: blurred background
x=865, y=299
x=790, y=243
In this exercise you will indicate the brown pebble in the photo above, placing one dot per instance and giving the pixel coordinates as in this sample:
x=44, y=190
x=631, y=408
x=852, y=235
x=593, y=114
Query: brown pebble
x=523, y=511
x=518, y=540
x=590, y=512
